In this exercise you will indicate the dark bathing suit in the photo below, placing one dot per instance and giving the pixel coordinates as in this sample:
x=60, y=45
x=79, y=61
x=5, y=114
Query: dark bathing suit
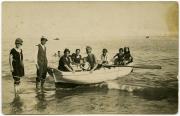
x=120, y=58
x=75, y=58
x=128, y=57
x=64, y=61
x=18, y=65
x=42, y=63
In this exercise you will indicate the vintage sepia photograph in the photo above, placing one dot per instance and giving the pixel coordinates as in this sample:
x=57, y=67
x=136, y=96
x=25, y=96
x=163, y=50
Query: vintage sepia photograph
x=93, y=57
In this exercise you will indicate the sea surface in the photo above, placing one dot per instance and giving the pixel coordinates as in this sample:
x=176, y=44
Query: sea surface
x=144, y=91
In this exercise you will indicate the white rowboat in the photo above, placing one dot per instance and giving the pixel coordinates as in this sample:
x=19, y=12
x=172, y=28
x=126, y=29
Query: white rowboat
x=86, y=77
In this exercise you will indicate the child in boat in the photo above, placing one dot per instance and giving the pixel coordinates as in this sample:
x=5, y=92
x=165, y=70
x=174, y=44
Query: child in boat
x=76, y=57
x=85, y=66
x=16, y=63
x=104, y=57
x=127, y=56
x=91, y=59
x=65, y=62
x=119, y=57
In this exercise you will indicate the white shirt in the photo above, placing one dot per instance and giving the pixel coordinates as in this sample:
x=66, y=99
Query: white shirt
x=43, y=46
x=104, y=58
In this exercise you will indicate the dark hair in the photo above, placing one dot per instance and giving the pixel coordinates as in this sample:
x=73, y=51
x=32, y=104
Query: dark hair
x=66, y=50
x=104, y=50
x=120, y=49
x=88, y=47
x=18, y=41
x=126, y=50
x=77, y=50
x=58, y=51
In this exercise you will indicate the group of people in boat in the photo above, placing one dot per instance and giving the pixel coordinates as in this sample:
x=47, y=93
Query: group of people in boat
x=90, y=63
x=66, y=61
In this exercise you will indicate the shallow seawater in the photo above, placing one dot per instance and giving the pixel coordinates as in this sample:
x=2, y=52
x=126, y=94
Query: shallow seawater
x=144, y=91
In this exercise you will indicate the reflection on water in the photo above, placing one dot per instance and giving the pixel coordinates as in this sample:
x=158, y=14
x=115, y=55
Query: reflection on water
x=61, y=93
x=102, y=100
x=16, y=105
x=158, y=94
x=95, y=99
x=41, y=100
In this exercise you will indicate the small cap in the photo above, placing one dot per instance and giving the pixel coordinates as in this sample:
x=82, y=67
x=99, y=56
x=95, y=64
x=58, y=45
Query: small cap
x=44, y=38
x=18, y=41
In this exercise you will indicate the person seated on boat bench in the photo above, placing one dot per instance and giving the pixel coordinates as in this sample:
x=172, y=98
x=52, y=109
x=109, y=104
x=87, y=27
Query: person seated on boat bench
x=119, y=57
x=76, y=57
x=91, y=59
x=127, y=56
x=65, y=62
x=104, y=56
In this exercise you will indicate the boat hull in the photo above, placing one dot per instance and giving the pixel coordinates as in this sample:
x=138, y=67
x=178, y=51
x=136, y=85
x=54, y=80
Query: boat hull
x=86, y=77
x=66, y=85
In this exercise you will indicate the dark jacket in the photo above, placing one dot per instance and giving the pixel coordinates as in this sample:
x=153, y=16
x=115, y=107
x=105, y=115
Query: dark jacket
x=75, y=58
x=64, y=61
x=41, y=57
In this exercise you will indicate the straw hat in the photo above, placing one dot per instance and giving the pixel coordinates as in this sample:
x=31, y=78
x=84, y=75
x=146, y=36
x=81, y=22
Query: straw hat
x=44, y=38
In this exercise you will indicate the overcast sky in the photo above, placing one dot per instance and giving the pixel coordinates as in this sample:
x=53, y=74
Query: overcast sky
x=89, y=19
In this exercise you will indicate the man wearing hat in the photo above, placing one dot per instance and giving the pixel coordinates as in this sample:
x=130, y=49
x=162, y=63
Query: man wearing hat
x=41, y=62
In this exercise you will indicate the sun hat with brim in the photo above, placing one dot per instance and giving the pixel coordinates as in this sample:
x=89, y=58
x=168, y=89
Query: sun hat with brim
x=44, y=38
x=18, y=41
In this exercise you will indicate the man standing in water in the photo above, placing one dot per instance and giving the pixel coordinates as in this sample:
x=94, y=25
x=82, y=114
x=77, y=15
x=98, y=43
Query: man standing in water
x=41, y=62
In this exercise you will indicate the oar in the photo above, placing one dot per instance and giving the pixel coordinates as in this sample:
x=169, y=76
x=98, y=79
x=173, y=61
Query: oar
x=138, y=66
